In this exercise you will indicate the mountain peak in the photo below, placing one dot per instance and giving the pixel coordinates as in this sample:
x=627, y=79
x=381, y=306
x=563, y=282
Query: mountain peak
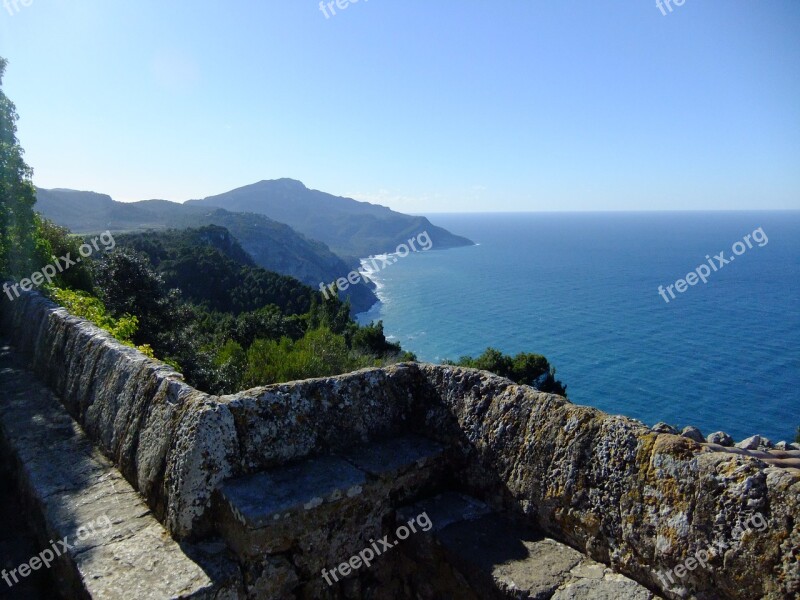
x=350, y=228
x=284, y=182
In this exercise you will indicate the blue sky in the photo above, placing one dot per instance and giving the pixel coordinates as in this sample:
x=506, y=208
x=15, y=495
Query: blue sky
x=423, y=106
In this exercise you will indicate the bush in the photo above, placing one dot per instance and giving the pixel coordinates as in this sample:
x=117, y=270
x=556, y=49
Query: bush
x=319, y=353
x=524, y=368
x=85, y=306
x=59, y=243
x=230, y=363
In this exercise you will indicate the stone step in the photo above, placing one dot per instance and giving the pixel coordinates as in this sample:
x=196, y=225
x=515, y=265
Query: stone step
x=474, y=553
x=340, y=502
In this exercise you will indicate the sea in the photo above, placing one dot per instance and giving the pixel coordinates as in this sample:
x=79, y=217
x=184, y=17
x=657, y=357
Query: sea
x=583, y=290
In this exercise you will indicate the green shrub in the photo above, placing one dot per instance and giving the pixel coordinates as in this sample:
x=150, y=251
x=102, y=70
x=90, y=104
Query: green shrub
x=319, y=353
x=524, y=368
x=86, y=306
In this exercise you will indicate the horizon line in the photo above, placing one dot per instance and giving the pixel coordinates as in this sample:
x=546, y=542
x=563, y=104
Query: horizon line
x=453, y=212
x=604, y=210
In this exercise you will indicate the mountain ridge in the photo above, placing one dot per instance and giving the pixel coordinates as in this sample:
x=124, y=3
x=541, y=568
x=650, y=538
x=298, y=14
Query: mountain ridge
x=272, y=245
x=352, y=229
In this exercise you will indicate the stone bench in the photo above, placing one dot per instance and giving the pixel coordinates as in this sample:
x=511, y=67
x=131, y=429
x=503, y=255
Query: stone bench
x=299, y=518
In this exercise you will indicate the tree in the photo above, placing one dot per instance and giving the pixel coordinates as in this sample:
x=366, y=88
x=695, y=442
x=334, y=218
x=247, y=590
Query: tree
x=266, y=323
x=230, y=363
x=331, y=313
x=21, y=251
x=61, y=243
x=370, y=339
x=128, y=284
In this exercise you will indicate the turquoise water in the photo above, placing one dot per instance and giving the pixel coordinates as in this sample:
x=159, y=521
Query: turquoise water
x=582, y=289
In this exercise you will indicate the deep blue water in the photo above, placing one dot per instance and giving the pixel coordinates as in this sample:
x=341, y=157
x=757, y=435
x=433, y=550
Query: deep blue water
x=582, y=289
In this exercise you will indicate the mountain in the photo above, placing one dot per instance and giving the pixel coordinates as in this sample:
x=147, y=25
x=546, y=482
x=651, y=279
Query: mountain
x=90, y=212
x=352, y=229
x=273, y=246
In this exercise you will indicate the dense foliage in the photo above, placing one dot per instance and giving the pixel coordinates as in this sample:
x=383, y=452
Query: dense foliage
x=524, y=368
x=188, y=260
x=273, y=246
x=20, y=248
x=202, y=304
x=86, y=306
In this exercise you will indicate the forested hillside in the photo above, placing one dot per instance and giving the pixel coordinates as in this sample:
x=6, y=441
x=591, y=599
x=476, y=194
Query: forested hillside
x=201, y=303
x=272, y=245
x=212, y=270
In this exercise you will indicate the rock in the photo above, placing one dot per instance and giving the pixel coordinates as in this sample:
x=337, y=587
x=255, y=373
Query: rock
x=766, y=443
x=794, y=446
x=693, y=433
x=751, y=443
x=721, y=438
x=782, y=446
x=662, y=427
x=275, y=579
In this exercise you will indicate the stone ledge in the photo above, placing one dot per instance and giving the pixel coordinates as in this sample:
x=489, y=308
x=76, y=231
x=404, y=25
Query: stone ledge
x=261, y=499
x=388, y=459
x=785, y=459
x=119, y=550
x=301, y=507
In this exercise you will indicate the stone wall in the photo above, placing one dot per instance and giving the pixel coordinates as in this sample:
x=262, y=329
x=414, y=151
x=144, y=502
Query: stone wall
x=641, y=501
x=139, y=412
x=174, y=444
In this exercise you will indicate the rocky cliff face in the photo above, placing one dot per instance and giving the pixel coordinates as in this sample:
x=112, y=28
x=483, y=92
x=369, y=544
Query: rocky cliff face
x=649, y=504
